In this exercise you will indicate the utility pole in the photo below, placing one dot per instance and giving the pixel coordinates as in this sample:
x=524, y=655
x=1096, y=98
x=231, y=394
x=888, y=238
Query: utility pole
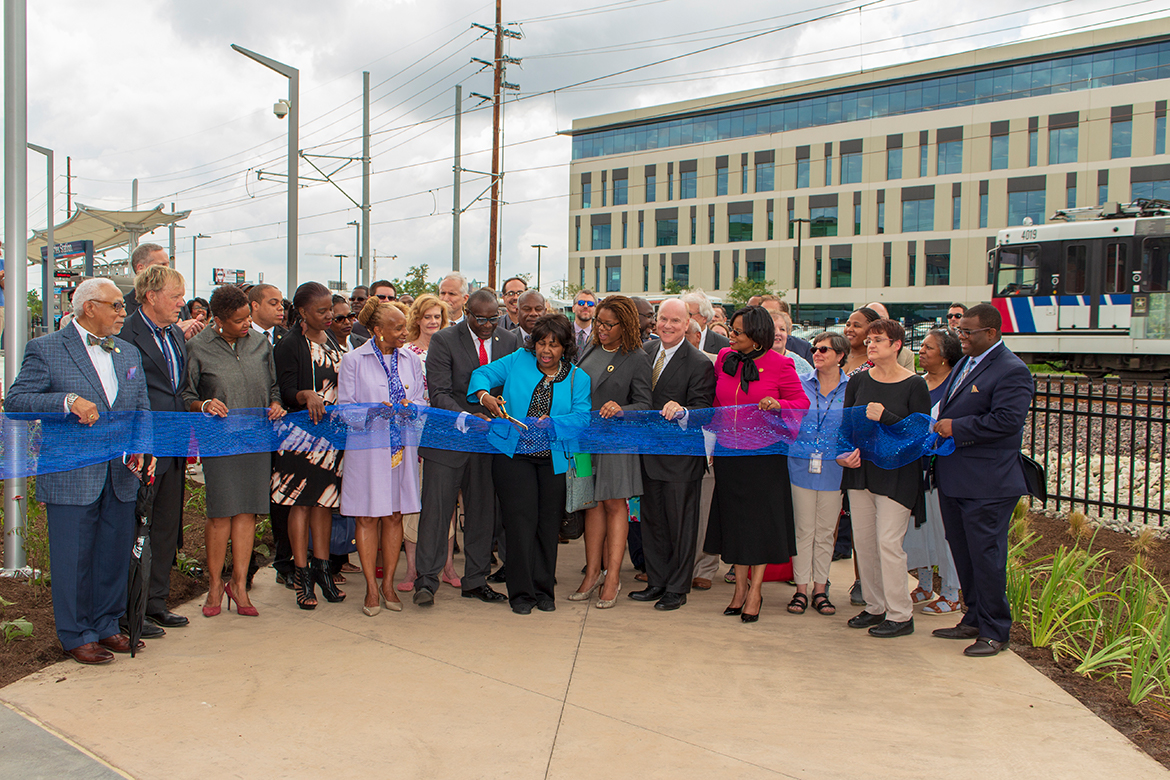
x=69, y=187
x=538, y=247
x=49, y=264
x=796, y=266
x=456, y=209
x=194, y=278
x=340, y=271
x=364, y=250
x=172, y=232
x=358, y=226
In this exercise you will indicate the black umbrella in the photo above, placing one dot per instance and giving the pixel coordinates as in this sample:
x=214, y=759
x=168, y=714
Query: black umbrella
x=139, y=582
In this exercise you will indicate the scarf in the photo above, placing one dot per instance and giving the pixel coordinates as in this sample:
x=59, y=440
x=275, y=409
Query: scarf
x=397, y=397
x=749, y=373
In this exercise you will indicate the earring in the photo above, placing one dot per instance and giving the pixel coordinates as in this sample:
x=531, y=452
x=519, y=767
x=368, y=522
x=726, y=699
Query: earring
x=380, y=338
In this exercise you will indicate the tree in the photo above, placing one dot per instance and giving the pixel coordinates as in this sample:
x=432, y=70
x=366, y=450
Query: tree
x=415, y=283
x=742, y=289
x=565, y=290
x=34, y=305
x=675, y=287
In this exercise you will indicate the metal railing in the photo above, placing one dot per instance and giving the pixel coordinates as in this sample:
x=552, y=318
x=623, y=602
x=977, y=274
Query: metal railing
x=1103, y=445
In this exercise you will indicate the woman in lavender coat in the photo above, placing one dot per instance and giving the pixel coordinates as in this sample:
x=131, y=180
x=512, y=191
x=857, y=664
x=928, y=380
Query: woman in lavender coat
x=380, y=484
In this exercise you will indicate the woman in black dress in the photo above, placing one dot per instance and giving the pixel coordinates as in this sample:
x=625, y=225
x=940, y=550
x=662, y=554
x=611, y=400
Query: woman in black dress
x=306, y=471
x=881, y=500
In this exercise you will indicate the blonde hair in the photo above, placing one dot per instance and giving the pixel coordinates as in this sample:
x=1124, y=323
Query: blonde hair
x=420, y=306
x=154, y=279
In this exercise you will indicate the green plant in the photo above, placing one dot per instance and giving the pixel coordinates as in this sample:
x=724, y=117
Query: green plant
x=565, y=290
x=742, y=290
x=188, y=565
x=16, y=629
x=196, y=499
x=675, y=287
x=1063, y=595
x=1078, y=525
x=35, y=538
x=415, y=283
x=263, y=527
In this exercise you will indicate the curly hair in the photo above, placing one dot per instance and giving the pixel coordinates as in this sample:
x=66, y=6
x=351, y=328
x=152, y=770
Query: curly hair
x=948, y=345
x=421, y=305
x=558, y=326
x=226, y=300
x=627, y=317
x=756, y=323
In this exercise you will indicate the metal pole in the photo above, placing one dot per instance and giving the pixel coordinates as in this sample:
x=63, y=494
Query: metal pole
x=194, y=278
x=796, y=271
x=172, y=232
x=340, y=269
x=16, y=245
x=456, y=209
x=493, y=227
x=358, y=227
x=49, y=263
x=364, y=250
x=538, y=247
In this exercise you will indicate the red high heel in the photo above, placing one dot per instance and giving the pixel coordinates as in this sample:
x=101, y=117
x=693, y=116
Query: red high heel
x=210, y=611
x=240, y=608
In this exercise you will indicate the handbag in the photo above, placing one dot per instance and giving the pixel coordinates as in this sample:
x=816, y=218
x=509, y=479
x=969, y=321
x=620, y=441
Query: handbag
x=341, y=535
x=579, y=476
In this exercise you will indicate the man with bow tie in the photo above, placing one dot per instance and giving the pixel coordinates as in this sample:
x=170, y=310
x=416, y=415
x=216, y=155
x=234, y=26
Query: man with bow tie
x=84, y=372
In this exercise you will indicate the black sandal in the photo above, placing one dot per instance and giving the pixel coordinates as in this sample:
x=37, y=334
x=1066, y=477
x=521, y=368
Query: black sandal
x=303, y=584
x=821, y=603
x=798, y=604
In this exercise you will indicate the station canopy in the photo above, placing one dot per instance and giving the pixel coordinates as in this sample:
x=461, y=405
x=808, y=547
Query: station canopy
x=107, y=229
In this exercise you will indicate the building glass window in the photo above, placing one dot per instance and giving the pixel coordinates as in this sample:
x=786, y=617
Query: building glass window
x=923, y=152
x=1122, y=141
x=1070, y=197
x=739, y=227
x=1160, y=135
x=743, y=188
x=1153, y=190
x=791, y=223
x=577, y=240
x=771, y=225
x=887, y=271
x=894, y=163
x=956, y=212
x=667, y=233
x=851, y=168
x=662, y=276
x=912, y=270
x=1115, y=281
x=950, y=157
x=881, y=219
x=600, y=237
x=817, y=273
x=710, y=228
x=1102, y=194
x=828, y=171
x=918, y=216
x=694, y=229
x=688, y=182
x=802, y=174
x=755, y=270
x=1062, y=145
x=613, y=279
x=597, y=277
x=1033, y=148
x=603, y=194
x=720, y=181
x=681, y=273
x=999, y=152
x=651, y=188
x=716, y=275
x=857, y=219
x=621, y=192
x=765, y=176
x=670, y=186
x=823, y=222
x=586, y=195
x=582, y=273
x=938, y=270
x=645, y=274
x=641, y=234
x=840, y=272
x=1026, y=204
x=625, y=234
x=983, y=210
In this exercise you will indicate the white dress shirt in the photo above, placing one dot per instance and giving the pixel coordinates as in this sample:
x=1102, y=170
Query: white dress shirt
x=669, y=353
x=103, y=364
x=703, y=340
x=487, y=345
x=269, y=334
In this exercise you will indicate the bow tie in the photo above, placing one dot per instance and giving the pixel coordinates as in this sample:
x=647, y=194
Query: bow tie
x=107, y=343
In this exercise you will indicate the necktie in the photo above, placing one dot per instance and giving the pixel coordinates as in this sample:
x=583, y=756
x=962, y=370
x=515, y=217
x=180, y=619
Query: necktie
x=107, y=343
x=271, y=336
x=963, y=375
x=658, y=364
x=483, y=358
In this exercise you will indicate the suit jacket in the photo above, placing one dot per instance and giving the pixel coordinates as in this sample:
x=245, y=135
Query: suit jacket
x=800, y=346
x=131, y=301
x=164, y=397
x=987, y=413
x=625, y=380
x=57, y=364
x=715, y=342
x=451, y=358
x=688, y=379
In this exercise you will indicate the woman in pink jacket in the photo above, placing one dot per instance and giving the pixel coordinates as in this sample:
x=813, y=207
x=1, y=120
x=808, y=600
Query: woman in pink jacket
x=381, y=482
x=751, y=521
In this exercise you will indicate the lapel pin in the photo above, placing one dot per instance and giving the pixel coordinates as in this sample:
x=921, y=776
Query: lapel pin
x=609, y=368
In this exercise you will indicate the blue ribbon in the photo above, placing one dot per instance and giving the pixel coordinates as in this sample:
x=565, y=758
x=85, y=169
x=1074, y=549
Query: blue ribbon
x=33, y=444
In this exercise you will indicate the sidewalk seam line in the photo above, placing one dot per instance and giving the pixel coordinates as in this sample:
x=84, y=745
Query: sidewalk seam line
x=565, y=699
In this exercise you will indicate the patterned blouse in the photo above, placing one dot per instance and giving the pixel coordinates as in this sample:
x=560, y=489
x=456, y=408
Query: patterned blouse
x=539, y=406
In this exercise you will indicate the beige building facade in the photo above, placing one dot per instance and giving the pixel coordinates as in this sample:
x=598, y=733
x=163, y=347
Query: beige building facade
x=899, y=178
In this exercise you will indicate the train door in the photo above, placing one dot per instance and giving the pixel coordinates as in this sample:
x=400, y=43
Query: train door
x=1113, y=304
x=1074, y=296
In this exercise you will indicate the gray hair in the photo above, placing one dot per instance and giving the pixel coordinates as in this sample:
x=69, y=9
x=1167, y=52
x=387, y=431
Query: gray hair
x=706, y=310
x=141, y=254
x=528, y=294
x=459, y=278
x=89, y=290
x=693, y=327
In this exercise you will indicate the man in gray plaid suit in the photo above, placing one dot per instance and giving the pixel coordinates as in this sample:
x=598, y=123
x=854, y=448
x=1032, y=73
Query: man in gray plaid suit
x=84, y=371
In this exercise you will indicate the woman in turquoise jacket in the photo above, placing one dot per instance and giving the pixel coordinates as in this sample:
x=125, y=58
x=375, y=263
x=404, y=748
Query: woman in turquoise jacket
x=543, y=388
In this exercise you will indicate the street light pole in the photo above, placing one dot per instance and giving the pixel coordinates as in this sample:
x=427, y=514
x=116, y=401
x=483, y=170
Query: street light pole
x=796, y=267
x=49, y=264
x=341, y=269
x=294, y=131
x=538, y=247
x=194, y=278
x=358, y=253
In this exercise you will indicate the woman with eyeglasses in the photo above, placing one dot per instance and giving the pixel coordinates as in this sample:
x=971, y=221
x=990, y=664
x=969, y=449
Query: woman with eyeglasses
x=620, y=374
x=341, y=329
x=881, y=500
x=816, y=479
x=926, y=544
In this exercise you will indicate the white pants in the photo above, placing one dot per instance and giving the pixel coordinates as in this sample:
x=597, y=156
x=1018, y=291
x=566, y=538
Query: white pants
x=816, y=521
x=706, y=564
x=879, y=525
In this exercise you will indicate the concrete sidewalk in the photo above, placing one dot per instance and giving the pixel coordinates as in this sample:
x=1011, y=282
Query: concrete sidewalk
x=469, y=690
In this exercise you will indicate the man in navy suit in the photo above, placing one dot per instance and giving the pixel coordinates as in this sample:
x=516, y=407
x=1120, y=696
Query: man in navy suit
x=983, y=408
x=84, y=371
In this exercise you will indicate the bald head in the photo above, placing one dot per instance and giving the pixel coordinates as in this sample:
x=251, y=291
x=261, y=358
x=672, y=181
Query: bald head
x=672, y=322
x=530, y=307
x=882, y=311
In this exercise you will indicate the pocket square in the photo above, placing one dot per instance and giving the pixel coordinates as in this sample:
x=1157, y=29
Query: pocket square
x=974, y=389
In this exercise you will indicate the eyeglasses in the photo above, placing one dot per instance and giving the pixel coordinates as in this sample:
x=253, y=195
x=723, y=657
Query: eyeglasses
x=736, y=332
x=513, y=293
x=382, y=297
x=346, y=317
x=590, y=304
x=356, y=299
x=968, y=331
x=115, y=305
x=603, y=325
x=484, y=320
x=823, y=350
x=954, y=316
x=869, y=341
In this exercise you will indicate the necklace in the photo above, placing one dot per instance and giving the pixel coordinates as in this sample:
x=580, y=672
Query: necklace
x=607, y=349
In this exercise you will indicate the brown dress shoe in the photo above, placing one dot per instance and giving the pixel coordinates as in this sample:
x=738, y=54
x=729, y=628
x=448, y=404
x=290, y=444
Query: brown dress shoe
x=119, y=643
x=642, y=576
x=701, y=583
x=90, y=653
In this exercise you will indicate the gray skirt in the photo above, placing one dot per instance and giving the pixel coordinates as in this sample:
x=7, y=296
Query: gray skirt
x=616, y=476
x=238, y=484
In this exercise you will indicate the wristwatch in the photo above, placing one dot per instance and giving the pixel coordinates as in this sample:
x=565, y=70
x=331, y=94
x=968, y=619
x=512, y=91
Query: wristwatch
x=70, y=399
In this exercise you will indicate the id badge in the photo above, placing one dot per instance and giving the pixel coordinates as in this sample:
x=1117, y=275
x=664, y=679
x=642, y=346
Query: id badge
x=814, y=463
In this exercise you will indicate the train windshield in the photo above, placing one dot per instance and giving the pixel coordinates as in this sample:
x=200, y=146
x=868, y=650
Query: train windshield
x=1155, y=264
x=1018, y=271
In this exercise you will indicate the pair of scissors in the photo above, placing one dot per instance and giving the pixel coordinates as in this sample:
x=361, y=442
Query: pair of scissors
x=508, y=417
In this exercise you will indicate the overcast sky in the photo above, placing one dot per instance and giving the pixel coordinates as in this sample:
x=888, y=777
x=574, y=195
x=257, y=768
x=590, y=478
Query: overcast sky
x=152, y=90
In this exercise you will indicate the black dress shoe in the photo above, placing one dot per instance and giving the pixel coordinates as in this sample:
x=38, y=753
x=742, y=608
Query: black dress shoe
x=892, y=628
x=151, y=631
x=167, y=619
x=961, y=631
x=484, y=593
x=546, y=605
x=423, y=597
x=651, y=593
x=985, y=647
x=499, y=576
x=866, y=620
x=733, y=610
x=522, y=609
x=671, y=601
x=285, y=578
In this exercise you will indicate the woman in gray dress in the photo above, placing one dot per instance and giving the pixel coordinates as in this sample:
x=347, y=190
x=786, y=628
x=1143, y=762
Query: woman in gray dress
x=230, y=367
x=619, y=372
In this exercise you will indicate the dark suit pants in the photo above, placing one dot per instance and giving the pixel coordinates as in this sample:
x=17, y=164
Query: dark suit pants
x=977, y=532
x=89, y=555
x=533, y=498
x=441, y=485
x=166, y=523
x=283, y=556
x=670, y=524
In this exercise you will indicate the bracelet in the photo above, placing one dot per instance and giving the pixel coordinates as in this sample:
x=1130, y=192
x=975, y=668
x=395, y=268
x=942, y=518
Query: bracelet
x=203, y=407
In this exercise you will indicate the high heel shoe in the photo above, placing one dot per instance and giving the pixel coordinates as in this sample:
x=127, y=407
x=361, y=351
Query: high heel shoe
x=240, y=609
x=579, y=596
x=733, y=611
x=748, y=617
x=393, y=606
x=319, y=568
x=374, y=610
x=303, y=582
x=212, y=611
x=608, y=603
